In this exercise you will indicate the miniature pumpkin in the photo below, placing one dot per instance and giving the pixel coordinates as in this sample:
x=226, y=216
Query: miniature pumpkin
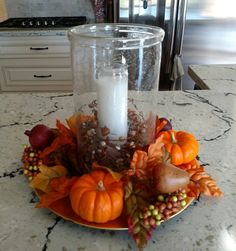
x=182, y=146
x=97, y=197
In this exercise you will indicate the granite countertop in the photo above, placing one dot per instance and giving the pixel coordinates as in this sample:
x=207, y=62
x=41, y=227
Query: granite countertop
x=32, y=32
x=221, y=78
x=207, y=224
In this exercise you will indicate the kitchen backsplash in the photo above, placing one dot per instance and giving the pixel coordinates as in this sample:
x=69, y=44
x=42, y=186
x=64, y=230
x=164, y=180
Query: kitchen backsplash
x=39, y=8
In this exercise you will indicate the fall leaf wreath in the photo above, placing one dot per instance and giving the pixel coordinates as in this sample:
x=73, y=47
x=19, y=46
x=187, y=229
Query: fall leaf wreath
x=148, y=185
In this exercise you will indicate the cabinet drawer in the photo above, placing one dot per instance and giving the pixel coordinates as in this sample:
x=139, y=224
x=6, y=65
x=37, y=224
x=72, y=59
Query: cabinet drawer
x=37, y=74
x=34, y=46
x=33, y=50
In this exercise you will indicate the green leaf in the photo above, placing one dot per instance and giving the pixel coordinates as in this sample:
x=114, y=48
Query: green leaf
x=128, y=190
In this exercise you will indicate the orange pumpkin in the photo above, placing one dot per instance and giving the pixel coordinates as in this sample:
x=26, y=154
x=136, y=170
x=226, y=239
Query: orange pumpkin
x=97, y=197
x=182, y=146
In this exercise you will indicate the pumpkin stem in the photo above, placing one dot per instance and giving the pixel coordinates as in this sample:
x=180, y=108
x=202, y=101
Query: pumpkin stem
x=173, y=139
x=100, y=186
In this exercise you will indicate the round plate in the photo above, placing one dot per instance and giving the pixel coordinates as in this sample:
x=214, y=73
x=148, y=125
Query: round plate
x=63, y=209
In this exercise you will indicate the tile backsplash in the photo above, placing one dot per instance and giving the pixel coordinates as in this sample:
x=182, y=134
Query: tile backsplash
x=42, y=8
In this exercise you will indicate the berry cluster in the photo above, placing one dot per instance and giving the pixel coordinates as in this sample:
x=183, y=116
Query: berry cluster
x=166, y=206
x=31, y=162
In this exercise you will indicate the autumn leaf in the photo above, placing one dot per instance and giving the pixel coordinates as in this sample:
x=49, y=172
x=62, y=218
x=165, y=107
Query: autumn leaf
x=65, y=137
x=155, y=152
x=60, y=188
x=42, y=179
x=63, y=150
x=64, y=130
x=138, y=164
x=200, y=181
x=143, y=162
x=116, y=175
x=159, y=125
x=136, y=200
x=209, y=187
x=193, y=190
x=72, y=123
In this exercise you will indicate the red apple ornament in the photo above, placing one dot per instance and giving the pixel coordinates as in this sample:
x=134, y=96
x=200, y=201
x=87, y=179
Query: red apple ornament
x=40, y=136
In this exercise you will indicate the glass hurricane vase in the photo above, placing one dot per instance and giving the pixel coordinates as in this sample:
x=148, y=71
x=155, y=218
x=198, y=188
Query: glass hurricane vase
x=115, y=68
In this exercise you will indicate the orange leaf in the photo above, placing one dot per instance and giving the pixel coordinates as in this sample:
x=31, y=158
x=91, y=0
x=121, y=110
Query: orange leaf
x=197, y=175
x=155, y=152
x=200, y=182
x=209, y=187
x=63, y=129
x=159, y=125
x=41, y=180
x=117, y=176
x=143, y=163
x=60, y=189
x=190, y=165
x=193, y=190
x=72, y=123
x=138, y=164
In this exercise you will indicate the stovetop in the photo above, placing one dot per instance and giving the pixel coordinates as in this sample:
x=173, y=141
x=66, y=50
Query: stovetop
x=43, y=22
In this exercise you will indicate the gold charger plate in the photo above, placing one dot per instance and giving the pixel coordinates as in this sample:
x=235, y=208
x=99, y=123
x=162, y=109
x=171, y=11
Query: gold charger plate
x=63, y=209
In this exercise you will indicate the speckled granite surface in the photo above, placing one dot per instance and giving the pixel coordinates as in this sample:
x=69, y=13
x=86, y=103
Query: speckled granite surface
x=208, y=224
x=29, y=33
x=220, y=78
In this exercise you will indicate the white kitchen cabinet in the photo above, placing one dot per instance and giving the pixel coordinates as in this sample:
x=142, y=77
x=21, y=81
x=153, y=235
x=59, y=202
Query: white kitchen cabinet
x=35, y=63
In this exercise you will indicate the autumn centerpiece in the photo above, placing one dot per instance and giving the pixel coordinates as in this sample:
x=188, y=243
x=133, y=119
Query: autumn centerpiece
x=148, y=185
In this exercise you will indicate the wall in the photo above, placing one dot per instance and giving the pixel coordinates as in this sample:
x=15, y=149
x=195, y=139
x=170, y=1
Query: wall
x=40, y=8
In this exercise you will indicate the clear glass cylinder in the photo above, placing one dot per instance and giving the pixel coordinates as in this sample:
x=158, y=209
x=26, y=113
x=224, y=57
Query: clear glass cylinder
x=115, y=67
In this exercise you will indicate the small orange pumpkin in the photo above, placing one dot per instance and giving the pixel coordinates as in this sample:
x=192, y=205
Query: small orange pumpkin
x=182, y=146
x=97, y=197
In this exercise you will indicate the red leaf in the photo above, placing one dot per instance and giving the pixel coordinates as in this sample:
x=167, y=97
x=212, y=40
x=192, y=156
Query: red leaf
x=65, y=137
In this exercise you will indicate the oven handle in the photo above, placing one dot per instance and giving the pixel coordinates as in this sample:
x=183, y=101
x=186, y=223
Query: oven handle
x=38, y=48
x=43, y=76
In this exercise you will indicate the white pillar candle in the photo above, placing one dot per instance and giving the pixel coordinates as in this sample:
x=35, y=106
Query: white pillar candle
x=112, y=99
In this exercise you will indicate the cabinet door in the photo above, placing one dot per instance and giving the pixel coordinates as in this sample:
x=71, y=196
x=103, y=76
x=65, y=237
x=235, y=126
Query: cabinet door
x=36, y=74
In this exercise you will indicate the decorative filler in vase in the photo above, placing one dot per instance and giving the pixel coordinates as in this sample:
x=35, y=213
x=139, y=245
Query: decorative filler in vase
x=116, y=165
